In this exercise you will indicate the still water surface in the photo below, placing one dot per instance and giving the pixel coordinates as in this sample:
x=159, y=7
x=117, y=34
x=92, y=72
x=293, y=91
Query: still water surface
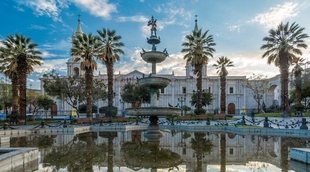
x=175, y=151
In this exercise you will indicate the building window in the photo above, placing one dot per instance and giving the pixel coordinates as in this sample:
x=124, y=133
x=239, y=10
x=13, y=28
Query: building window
x=184, y=151
x=209, y=89
x=162, y=90
x=184, y=90
x=231, y=90
x=231, y=151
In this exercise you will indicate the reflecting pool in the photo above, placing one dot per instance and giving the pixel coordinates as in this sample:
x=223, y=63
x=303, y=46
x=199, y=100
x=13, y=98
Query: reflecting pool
x=175, y=151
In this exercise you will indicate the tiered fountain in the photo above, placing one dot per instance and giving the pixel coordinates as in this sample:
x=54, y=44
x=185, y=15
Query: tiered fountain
x=154, y=83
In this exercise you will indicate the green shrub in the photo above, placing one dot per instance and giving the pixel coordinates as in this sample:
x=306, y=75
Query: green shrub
x=199, y=112
x=298, y=108
x=83, y=108
x=108, y=111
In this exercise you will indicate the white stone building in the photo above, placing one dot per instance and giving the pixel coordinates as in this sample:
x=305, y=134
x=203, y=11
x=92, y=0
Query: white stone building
x=239, y=99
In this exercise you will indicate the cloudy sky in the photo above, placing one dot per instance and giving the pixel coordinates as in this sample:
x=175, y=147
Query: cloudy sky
x=238, y=27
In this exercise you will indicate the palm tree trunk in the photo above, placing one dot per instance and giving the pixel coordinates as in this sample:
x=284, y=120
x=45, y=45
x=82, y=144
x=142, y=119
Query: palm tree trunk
x=198, y=69
x=284, y=155
x=284, y=88
x=89, y=91
x=110, y=83
x=223, y=94
x=110, y=154
x=22, y=81
x=15, y=107
x=223, y=152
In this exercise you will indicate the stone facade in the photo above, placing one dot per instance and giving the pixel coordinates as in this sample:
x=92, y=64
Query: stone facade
x=178, y=93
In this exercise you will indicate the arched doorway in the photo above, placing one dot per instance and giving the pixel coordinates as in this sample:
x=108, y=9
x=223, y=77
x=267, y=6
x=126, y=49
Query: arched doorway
x=231, y=108
x=54, y=109
x=76, y=71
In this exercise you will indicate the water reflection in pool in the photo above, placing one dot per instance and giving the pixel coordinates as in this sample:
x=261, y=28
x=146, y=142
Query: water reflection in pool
x=175, y=151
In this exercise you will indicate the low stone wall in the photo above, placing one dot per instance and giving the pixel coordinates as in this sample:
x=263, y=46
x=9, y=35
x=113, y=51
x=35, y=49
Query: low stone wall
x=243, y=131
x=206, y=128
x=19, y=159
x=49, y=131
x=118, y=128
x=44, y=131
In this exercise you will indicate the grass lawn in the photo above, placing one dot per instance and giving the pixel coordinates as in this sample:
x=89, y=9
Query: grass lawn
x=279, y=114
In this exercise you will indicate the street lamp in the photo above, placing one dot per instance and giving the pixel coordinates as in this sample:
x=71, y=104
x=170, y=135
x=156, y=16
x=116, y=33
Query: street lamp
x=182, y=100
x=123, y=107
x=30, y=107
x=3, y=99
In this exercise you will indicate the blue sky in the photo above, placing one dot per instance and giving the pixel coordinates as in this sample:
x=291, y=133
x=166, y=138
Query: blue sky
x=238, y=27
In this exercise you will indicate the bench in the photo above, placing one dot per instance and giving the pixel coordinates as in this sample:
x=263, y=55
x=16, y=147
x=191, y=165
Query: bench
x=84, y=120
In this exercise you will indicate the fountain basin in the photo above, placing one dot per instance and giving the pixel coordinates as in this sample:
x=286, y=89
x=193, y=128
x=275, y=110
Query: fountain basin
x=153, y=111
x=154, y=56
x=154, y=82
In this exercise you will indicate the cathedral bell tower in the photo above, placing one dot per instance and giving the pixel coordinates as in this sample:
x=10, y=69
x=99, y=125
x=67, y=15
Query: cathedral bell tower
x=73, y=64
x=189, y=67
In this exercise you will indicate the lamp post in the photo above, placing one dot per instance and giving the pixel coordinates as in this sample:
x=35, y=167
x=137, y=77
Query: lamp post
x=30, y=107
x=2, y=85
x=123, y=107
x=182, y=100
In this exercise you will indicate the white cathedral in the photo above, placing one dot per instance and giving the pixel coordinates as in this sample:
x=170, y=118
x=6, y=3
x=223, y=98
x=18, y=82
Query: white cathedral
x=239, y=98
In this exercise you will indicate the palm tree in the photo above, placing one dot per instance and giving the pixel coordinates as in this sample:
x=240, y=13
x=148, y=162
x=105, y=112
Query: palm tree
x=297, y=70
x=282, y=46
x=201, y=146
x=19, y=54
x=85, y=48
x=221, y=65
x=198, y=47
x=109, y=53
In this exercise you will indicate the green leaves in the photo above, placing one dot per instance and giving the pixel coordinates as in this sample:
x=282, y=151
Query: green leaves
x=221, y=65
x=205, y=100
x=199, y=47
x=283, y=44
x=133, y=93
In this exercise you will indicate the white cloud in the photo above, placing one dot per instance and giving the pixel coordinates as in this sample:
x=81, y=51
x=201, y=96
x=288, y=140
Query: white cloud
x=64, y=45
x=51, y=8
x=234, y=28
x=58, y=65
x=275, y=15
x=37, y=27
x=136, y=18
x=47, y=54
x=99, y=8
x=245, y=64
x=175, y=63
x=175, y=14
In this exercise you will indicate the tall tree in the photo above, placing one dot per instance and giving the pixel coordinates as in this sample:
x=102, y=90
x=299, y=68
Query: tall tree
x=202, y=146
x=221, y=65
x=20, y=54
x=11, y=73
x=282, y=46
x=135, y=94
x=206, y=99
x=111, y=49
x=297, y=71
x=85, y=48
x=198, y=48
x=258, y=84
